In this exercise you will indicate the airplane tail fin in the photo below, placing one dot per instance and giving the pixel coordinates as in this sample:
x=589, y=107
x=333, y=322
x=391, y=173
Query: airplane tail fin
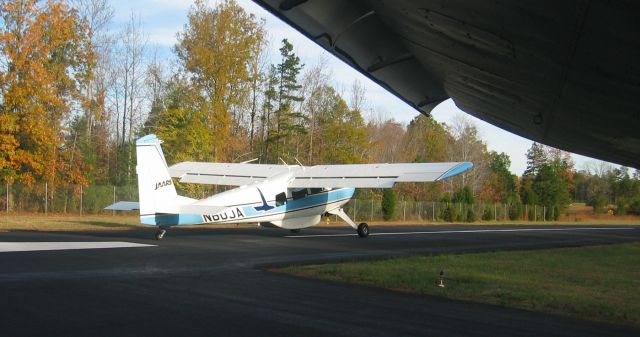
x=156, y=192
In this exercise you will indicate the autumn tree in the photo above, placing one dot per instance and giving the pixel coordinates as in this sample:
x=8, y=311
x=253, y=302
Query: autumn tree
x=216, y=49
x=46, y=55
x=90, y=128
x=343, y=135
x=425, y=141
x=257, y=78
x=385, y=141
x=501, y=185
x=466, y=145
x=318, y=97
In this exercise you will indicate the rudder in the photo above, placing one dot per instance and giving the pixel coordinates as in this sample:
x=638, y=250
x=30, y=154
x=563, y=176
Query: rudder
x=156, y=191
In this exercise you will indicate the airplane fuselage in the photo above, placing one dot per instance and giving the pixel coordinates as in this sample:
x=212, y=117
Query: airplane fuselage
x=266, y=202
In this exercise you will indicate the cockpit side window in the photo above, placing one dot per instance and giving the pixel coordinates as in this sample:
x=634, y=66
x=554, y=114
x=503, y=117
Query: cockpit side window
x=281, y=199
x=299, y=194
x=315, y=190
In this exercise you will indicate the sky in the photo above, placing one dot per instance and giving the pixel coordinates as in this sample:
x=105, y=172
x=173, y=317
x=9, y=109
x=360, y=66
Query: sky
x=163, y=19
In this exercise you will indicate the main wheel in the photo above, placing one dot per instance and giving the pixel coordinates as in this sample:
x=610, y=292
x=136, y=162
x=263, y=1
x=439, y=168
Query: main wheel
x=294, y=231
x=160, y=234
x=363, y=230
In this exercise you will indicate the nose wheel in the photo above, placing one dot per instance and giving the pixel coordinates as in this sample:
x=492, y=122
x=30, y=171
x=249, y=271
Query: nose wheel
x=363, y=230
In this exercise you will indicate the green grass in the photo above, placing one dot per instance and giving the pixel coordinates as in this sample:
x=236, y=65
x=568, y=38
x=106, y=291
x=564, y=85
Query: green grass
x=600, y=283
x=66, y=222
x=41, y=222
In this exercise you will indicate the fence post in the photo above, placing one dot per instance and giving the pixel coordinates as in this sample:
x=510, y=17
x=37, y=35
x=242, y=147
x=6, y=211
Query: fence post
x=495, y=212
x=505, y=212
x=404, y=211
x=113, y=211
x=7, y=198
x=526, y=212
x=46, y=198
x=80, y=199
x=535, y=212
x=371, y=210
x=433, y=211
x=355, y=204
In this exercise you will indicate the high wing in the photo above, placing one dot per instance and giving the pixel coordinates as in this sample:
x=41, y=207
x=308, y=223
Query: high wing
x=375, y=175
x=233, y=174
x=320, y=176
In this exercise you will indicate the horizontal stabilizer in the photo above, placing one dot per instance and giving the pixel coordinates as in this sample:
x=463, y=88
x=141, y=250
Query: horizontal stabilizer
x=124, y=206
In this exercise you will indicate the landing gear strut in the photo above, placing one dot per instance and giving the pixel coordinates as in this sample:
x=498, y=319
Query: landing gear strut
x=362, y=229
x=160, y=233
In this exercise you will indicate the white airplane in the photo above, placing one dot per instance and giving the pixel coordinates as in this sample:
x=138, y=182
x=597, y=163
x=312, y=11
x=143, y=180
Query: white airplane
x=286, y=196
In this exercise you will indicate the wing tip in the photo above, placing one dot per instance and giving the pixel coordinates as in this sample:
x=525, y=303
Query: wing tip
x=457, y=169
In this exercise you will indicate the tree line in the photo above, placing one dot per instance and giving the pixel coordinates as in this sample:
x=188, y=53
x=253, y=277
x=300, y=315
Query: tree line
x=76, y=93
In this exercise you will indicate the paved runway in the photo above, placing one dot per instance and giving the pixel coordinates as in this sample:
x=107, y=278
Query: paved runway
x=214, y=282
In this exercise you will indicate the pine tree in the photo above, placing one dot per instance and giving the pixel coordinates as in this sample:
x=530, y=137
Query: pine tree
x=536, y=158
x=289, y=123
x=388, y=203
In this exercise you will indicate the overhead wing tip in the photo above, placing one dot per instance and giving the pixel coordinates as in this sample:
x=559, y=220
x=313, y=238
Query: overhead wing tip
x=457, y=169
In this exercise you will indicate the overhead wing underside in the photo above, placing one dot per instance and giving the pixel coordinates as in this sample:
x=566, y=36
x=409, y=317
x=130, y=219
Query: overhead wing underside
x=321, y=176
x=233, y=174
x=375, y=175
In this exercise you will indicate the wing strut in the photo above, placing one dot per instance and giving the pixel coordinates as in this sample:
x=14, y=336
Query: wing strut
x=340, y=212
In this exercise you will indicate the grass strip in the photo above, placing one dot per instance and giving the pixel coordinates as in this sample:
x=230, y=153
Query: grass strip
x=599, y=283
x=68, y=222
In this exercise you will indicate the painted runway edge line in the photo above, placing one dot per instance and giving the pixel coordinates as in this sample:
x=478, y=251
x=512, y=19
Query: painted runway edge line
x=468, y=231
x=6, y=247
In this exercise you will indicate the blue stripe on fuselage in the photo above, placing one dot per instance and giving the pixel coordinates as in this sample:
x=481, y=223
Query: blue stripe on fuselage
x=171, y=219
x=306, y=202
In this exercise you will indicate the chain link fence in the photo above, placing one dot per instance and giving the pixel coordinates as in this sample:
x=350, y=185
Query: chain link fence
x=433, y=211
x=76, y=199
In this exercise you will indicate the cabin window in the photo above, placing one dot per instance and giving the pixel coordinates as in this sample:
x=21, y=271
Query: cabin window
x=316, y=190
x=299, y=194
x=281, y=199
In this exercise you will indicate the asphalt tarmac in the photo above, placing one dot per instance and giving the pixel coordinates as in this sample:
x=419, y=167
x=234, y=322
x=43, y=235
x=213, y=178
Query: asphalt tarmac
x=216, y=282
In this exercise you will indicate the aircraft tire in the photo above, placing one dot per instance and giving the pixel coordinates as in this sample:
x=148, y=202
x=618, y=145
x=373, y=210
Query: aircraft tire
x=363, y=230
x=294, y=231
x=160, y=234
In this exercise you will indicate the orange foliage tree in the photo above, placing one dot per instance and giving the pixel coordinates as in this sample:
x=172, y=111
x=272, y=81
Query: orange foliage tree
x=216, y=49
x=45, y=55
